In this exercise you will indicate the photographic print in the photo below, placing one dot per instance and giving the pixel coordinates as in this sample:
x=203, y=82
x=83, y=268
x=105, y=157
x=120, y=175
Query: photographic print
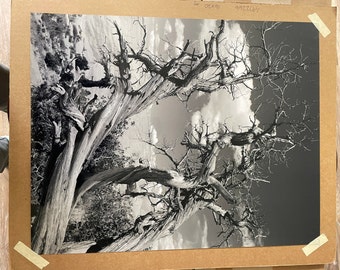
x=169, y=133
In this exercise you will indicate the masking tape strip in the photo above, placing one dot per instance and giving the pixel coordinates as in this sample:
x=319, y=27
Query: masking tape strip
x=319, y=24
x=315, y=244
x=334, y=3
x=30, y=255
x=272, y=2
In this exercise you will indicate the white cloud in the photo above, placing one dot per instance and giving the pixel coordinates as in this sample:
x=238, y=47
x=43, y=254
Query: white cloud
x=166, y=46
x=151, y=41
x=223, y=109
x=153, y=135
x=157, y=38
x=232, y=37
x=154, y=140
x=179, y=26
x=167, y=27
x=207, y=26
x=133, y=136
x=235, y=38
x=222, y=106
x=204, y=236
x=196, y=118
x=180, y=240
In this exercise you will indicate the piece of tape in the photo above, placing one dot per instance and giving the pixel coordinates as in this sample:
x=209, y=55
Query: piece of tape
x=315, y=244
x=319, y=24
x=30, y=255
x=272, y=2
x=334, y=3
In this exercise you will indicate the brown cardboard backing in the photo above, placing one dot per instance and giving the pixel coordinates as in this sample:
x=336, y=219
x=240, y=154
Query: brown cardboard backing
x=180, y=259
x=315, y=3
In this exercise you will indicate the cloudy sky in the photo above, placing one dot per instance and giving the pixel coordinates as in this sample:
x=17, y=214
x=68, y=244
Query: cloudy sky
x=290, y=202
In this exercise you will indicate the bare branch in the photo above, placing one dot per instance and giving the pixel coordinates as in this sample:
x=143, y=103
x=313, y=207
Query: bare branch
x=165, y=152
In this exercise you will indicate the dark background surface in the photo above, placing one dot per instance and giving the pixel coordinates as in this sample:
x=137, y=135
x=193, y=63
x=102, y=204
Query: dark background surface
x=291, y=202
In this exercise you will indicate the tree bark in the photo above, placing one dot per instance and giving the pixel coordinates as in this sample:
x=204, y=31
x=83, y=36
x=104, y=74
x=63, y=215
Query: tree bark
x=142, y=236
x=132, y=175
x=50, y=226
x=136, y=241
x=133, y=240
x=221, y=189
x=243, y=138
x=52, y=222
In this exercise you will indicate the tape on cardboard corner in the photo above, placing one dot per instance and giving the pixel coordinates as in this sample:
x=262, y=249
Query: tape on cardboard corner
x=315, y=244
x=30, y=255
x=319, y=24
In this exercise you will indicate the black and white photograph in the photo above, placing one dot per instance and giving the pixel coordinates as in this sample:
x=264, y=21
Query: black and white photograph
x=172, y=133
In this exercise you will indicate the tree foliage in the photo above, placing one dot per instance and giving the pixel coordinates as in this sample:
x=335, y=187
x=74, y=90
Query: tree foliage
x=107, y=214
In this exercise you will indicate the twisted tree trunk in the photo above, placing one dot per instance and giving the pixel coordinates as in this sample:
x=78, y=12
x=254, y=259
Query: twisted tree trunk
x=143, y=234
x=50, y=226
x=52, y=222
x=132, y=175
x=140, y=240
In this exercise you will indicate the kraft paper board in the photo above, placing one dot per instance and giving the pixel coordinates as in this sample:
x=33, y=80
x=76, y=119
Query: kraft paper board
x=179, y=259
